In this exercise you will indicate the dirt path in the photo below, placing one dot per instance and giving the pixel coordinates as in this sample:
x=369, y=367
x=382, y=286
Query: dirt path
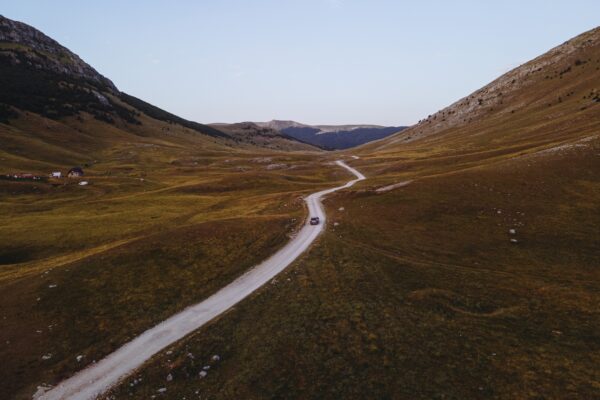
x=99, y=377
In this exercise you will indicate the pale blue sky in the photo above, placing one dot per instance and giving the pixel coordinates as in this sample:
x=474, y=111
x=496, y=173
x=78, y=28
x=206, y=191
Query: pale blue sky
x=314, y=61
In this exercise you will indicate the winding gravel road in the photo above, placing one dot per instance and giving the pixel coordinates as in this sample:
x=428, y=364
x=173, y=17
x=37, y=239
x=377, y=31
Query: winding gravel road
x=101, y=376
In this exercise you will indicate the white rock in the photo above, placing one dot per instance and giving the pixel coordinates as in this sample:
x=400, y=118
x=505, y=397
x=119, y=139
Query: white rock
x=341, y=209
x=162, y=390
x=275, y=166
x=47, y=356
x=206, y=367
x=512, y=231
x=513, y=240
x=52, y=286
x=79, y=358
x=41, y=390
x=169, y=378
x=202, y=374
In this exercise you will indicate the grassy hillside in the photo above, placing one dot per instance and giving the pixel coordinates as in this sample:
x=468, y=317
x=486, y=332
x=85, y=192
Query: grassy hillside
x=265, y=137
x=551, y=99
x=85, y=268
x=172, y=210
x=169, y=215
x=464, y=267
x=49, y=94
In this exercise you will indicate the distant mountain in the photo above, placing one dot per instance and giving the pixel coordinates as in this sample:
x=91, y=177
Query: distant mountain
x=280, y=125
x=332, y=137
x=263, y=136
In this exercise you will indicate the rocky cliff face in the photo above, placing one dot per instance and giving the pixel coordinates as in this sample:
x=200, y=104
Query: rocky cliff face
x=20, y=42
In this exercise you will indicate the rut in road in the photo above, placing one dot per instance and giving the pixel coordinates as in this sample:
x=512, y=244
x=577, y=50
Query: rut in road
x=99, y=377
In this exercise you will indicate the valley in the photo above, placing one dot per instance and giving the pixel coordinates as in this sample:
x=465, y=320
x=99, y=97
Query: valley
x=118, y=365
x=460, y=281
x=178, y=259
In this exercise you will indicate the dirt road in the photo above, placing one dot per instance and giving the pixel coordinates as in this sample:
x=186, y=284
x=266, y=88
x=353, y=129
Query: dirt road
x=99, y=377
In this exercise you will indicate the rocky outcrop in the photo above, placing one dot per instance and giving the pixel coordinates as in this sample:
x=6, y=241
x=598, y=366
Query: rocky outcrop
x=39, y=75
x=503, y=95
x=22, y=43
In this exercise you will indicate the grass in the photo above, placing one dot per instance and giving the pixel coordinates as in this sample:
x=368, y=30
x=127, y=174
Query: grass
x=168, y=217
x=419, y=292
x=416, y=293
x=123, y=260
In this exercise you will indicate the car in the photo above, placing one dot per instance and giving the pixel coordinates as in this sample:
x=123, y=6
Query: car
x=314, y=221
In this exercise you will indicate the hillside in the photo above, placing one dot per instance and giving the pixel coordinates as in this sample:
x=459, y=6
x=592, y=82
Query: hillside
x=559, y=87
x=248, y=132
x=464, y=267
x=41, y=76
x=166, y=212
x=332, y=137
x=53, y=103
x=340, y=139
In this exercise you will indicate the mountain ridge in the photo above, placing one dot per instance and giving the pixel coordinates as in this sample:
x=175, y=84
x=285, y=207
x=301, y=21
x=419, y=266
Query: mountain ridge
x=40, y=76
x=324, y=128
x=501, y=96
x=332, y=137
x=20, y=33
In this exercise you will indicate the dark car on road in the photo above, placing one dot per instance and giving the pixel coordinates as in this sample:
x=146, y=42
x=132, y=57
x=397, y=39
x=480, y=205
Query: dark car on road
x=314, y=221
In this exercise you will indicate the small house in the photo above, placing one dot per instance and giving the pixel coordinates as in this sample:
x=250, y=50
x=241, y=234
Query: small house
x=75, y=172
x=56, y=174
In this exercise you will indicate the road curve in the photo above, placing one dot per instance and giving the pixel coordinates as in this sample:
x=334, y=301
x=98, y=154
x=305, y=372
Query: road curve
x=101, y=376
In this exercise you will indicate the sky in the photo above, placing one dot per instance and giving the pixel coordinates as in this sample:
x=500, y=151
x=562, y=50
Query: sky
x=314, y=61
